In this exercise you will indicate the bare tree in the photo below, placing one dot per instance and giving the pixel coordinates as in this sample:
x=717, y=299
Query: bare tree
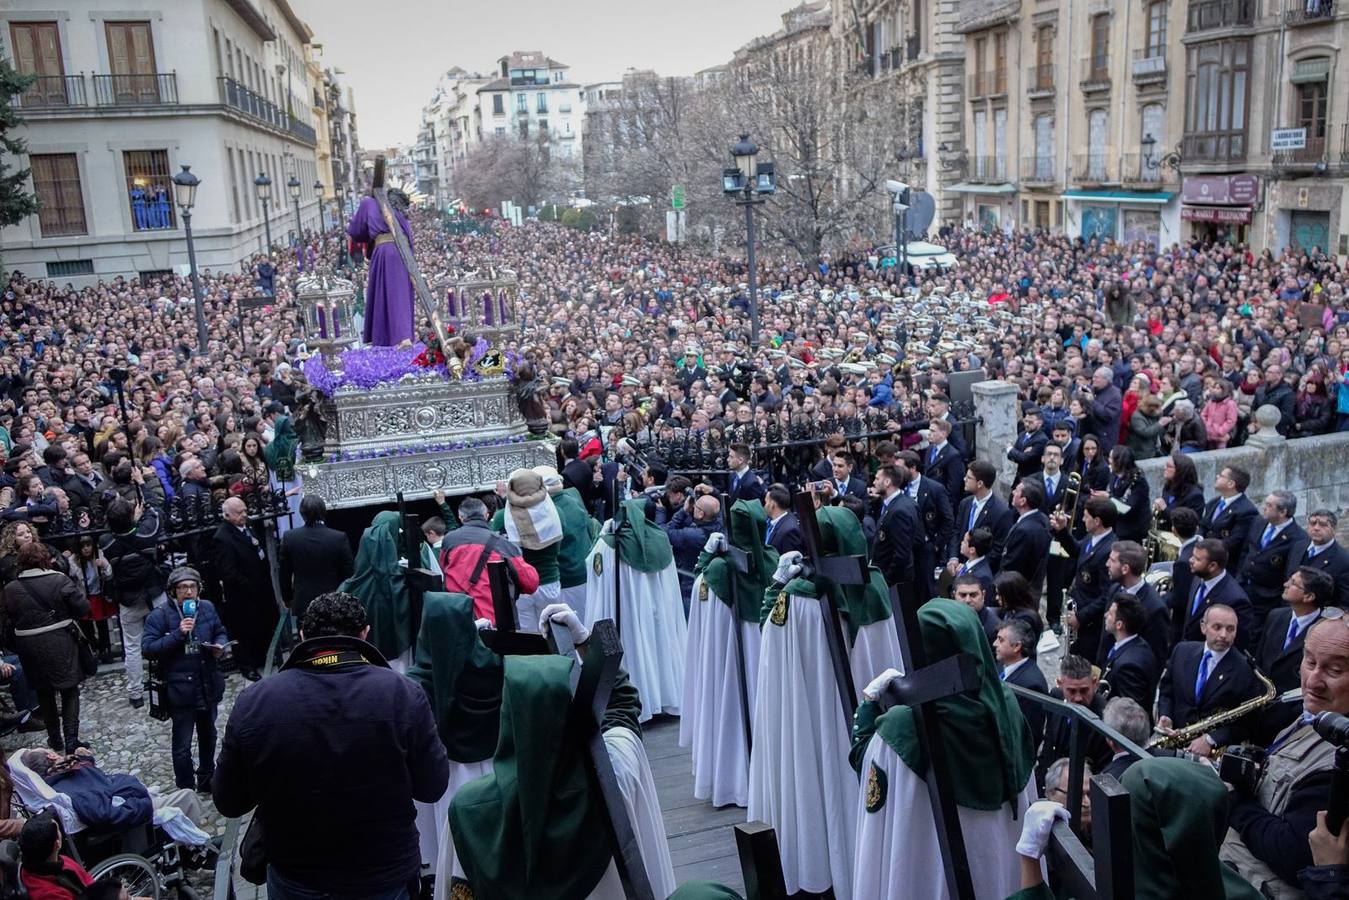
x=522, y=171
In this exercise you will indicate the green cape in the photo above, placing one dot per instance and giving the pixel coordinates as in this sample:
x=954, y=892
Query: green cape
x=988, y=742
x=1179, y=810
x=745, y=530
x=641, y=545
x=579, y=530
x=378, y=581
x=461, y=677
x=860, y=604
x=280, y=452
x=532, y=829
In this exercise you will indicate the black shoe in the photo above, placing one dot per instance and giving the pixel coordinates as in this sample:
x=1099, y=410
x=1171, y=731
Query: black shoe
x=251, y=674
x=204, y=785
x=136, y=702
x=31, y=725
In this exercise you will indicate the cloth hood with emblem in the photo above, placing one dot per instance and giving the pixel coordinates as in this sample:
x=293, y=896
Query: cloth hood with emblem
x=641, y=545
x=531, y=829
x=532, y=521
x=461, y=676
x=379, y=582
x=280, y=451
x=861, y=604
x=987, y=740
x=745, y=529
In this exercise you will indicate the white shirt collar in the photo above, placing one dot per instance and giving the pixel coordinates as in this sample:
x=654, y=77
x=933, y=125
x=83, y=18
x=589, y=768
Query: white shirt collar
x=974, y=562
x=1303, y=622
x=1119, y=644
x=1007, y=671
x=1194, y=539
x=1217, y=657
x=779, y=517
x=939, y=447
x=1213, y=582
x=1138, y=585
x=1321, y=548
x=1030, y=512
x=1279, y=528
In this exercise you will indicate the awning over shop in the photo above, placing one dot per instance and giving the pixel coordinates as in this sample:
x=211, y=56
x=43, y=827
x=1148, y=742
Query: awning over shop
x=965, y=187
x=1158, y=197
x=1232, y=215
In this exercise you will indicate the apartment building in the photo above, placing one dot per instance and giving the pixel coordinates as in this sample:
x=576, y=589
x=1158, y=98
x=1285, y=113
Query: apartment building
x=533, y=98
x=122, y=99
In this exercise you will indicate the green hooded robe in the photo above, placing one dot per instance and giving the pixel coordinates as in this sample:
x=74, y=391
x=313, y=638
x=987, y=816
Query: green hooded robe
x=641, y=545
x=378, y=581
x=746, y=527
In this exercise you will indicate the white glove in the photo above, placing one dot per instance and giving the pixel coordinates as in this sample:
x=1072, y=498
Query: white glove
x=878, y=684
x=610, y=526
x=1039, y=822
x=789, y=566
x=402, y=563
x=562, y=614
x=484, y=625
x=716, y=542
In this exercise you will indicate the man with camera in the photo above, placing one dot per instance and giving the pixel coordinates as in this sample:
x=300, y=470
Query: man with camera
x=1276, y=793
x=131, y=546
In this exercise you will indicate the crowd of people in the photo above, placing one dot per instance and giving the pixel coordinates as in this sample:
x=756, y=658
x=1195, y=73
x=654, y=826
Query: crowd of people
x=109, y=413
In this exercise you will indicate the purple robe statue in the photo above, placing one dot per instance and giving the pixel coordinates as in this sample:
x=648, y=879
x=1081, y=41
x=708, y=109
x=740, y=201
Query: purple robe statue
x=389, y=296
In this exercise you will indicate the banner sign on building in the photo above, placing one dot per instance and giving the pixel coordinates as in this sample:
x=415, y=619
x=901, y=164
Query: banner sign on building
x=1222, y=190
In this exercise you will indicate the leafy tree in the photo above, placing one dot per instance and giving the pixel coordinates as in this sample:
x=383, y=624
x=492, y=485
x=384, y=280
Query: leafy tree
x=16, y=203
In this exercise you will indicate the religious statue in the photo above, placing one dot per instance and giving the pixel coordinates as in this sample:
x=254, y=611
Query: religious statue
x=527, y=390
x=310, y=424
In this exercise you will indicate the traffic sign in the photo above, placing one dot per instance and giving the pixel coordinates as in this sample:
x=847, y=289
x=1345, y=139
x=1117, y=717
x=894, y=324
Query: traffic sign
x=677, y=196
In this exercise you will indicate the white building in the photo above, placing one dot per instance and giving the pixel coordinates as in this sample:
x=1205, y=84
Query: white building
x=532, y=98
x=449, y=130
x=123, y=99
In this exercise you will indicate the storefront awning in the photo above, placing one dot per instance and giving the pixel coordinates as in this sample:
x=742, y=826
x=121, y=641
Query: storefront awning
x=966, y=188
x=1158, y=197
x=1232, y=215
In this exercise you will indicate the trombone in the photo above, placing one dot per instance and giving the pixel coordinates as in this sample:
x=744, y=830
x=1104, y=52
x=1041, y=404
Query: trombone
x=1072, y=497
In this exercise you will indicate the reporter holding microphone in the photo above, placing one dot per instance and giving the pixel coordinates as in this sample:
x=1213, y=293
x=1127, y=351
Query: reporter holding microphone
x=184, y=638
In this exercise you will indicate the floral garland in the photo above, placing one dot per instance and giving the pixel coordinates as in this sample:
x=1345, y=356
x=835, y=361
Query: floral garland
x=366, y=368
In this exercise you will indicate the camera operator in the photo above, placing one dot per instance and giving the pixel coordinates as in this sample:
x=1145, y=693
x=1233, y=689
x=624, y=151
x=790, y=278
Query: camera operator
x=131, y=548
x=1274, y=808
x=688, y=530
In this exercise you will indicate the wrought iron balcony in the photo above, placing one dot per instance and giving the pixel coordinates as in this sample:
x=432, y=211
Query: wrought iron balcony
x=1093, y=168
x=1096, y=73
x=1038, y=169
x=1214, y=146
x=53, y=91
x=988, y=170
x=1040, y=81
x=1308, y=12
x=1208, y=15
x=1149, y=66
x=136, y=90
x=236, y=96
x=1312, y=153
x=1143, y=169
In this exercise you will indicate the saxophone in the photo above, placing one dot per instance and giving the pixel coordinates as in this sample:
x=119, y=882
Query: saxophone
x=1183, y=737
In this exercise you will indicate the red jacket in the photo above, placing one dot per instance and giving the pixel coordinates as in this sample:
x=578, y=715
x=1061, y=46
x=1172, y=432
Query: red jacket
x=45, y=887
x=466, y=551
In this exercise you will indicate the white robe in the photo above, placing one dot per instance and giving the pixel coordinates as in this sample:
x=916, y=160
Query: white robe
x=653, y=630
x=713, y=721
x=898, y=856
x=633, y=773
x=433, y=827
x=800, y=781
x=575, y=597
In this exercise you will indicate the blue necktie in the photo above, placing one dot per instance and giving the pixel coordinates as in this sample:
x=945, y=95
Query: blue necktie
x=1292, y=634
x=1202, y=679
x=1002, y=676
x=1091, y=543
x=1049, y=485
x=1222, y=505
x=735, y=484
x=1199, y=597
x=1111, y=655
x=974, y=514
x=932, y=457
x=768, y=535
x=1267, y=537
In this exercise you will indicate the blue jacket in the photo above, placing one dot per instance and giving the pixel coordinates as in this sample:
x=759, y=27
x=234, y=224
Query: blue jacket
x=194, y=681
x=92, y=791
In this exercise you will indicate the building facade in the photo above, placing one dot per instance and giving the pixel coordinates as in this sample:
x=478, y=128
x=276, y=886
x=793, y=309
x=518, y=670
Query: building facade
x=121, y=100
x=533, y=98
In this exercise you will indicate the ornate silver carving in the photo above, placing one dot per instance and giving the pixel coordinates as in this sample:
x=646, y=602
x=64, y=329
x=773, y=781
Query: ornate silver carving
x=421, y=412
x=418, y=475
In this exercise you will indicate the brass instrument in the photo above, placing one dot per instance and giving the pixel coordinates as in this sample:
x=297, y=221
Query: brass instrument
x=1183, y=737
x=1072, y=495
x=1161, y=544
x=1069, y=633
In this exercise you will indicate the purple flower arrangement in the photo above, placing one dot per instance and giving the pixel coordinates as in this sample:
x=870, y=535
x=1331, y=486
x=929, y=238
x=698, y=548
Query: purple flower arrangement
x=448, y=447
x=365, y=368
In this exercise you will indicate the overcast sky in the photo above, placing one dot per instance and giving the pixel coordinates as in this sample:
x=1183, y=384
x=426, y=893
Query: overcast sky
x=392, y=51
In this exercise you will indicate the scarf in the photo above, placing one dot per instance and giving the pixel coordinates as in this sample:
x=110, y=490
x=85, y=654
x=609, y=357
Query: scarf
x=532, y=521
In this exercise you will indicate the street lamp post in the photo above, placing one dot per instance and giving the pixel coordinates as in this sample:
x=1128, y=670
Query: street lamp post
x=293, y=185
x=263, y=186
x=318, y=192
x=185, y=195
x=744, y=184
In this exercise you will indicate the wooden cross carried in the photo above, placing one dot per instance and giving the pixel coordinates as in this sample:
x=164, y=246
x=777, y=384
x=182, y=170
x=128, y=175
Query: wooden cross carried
x=760, y=861
x=920, y=689
x=840, y=570
x=419, y=581
x=505, y=638
x=419, y=287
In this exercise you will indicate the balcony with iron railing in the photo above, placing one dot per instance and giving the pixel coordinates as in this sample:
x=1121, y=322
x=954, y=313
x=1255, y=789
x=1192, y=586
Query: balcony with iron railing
x=1312, y=153
x=989, y=83
x=1144, y=170
x=1214, y=147
x=1096, y=73
x=1208, y=15
x=988, y=170
x=254, y=106
x=1038, y=169
x=1308, y=12
x=1149, y=66
x=1344, y=144
x=53, y=91
x=136, y=90
x=1094, y=168
x=1040, y=81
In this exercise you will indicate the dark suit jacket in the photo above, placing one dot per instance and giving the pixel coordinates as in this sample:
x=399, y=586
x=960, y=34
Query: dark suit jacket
x=580, y=475
x=1133, y=493
x=751, y=487
x=1230, y=683
x=1233, y=527
x=1060, y=485
x=786, y=536
x=1026, y=549
x=1182, y=581
x=1229, y=593
x=1118, y=766
x=314, y=560
x=896, y=541
x=1283, y=667
x=1133, y=672
x=1031, y=678
x=1026, y=452
x=1265, y=569
x=948, y=469
x=244, y=576
x=995, y=516
x=981, y=571
x=934, y=509
x=1088, y=589
x=1157, y=626
x=1334, y=561
x=1103, y=414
